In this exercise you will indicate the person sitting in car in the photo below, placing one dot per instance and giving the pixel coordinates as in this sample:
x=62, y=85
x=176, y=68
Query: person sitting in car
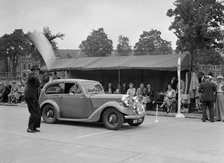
x=75, y=89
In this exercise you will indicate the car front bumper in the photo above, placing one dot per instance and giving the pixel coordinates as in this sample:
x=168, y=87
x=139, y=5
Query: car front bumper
x=135, y=116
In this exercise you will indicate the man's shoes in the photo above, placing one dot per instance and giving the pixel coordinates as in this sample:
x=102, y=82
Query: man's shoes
x=30, y=131
x=212, y=121
x=203, y=120
x=36, y=130
x=167, y=111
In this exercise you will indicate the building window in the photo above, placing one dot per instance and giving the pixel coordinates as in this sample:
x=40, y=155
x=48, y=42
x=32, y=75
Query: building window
x=24, y=66
x=28, y=66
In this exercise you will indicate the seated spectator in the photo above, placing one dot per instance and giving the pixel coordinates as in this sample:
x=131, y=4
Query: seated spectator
x=7, y=88
x=13, y=93
x=2, y=87
x=20, y=94
x=141, y=91
x=150, y=97
x=118, y=90
x=169, y=98
x=182, y=86
x=75, y=89
x=131, y=91
x=110, y=89
x=45, y=79
x=124, y=89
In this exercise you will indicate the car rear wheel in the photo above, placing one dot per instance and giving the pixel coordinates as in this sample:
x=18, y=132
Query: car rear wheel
x=136, y=122
x=112, y=119
x=49, y=114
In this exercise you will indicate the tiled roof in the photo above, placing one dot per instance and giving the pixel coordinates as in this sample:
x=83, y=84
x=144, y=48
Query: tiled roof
x=153, y=62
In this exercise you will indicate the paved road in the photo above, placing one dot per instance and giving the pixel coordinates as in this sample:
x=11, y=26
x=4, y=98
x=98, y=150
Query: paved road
x=168, y=141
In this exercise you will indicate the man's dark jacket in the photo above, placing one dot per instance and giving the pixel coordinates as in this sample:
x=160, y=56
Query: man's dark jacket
x=32, y=89
x=208, y=91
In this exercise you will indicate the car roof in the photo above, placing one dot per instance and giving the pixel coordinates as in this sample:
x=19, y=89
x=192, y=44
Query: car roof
x=73, y=80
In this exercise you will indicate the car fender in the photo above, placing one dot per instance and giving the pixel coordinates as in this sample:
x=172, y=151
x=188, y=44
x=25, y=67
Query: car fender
x=54, y=104
x=96, y=115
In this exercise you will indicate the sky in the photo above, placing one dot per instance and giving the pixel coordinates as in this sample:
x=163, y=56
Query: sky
x=77, y=18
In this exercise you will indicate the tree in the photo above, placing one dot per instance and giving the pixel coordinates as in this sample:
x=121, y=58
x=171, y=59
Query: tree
x=3, y=55
x=51, y=38
x=97, y=44
x=197, y=25
x=123, y=47
x=208, y=56
x=152, y=43
x=14, y=45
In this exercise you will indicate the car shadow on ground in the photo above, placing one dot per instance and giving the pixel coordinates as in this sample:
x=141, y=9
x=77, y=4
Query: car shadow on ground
x=92, y=125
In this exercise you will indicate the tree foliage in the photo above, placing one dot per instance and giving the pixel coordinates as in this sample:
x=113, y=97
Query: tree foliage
x=197, y=24
x=208, y=56
x=152, y=43
x=123, y=47
x=14, y=45
x=97, y=44
x=51, y=37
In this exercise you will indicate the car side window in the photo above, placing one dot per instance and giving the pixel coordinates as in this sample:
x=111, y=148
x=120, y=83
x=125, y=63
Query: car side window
x=72, y=88
x=57, y=88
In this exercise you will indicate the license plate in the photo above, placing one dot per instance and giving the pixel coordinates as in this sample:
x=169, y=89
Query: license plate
x=137, y=120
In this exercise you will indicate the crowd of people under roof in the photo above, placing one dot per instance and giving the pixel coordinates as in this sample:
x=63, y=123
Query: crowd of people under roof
x=171, y=95
x=12, y=92
x=147, y=92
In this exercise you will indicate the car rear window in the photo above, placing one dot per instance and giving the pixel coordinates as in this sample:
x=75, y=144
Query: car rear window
x=57, y=88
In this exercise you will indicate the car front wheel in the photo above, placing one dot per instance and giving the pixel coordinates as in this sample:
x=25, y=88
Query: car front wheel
x=136, y=122
x=112, y=119
x=49, y=114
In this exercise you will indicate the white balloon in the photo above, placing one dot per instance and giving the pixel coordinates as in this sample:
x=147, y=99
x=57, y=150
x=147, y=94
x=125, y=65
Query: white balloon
x=44, y=47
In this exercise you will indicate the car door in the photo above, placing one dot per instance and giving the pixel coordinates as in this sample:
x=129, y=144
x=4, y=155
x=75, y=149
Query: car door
x=54, y=92
x=74, y=102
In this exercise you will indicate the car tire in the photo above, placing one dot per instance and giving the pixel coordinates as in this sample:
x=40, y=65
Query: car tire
x=131, y=123
x=49, y=114
x=112, y=119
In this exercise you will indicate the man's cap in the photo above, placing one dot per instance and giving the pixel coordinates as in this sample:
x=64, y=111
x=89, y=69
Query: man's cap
x=207, y=76
x=211, y=74
x=210, y=77
x=34, y=67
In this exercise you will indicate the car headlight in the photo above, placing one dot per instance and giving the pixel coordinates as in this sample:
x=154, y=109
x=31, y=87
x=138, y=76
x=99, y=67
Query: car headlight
x=125, y=100
x=134, y=103
x=139, y=107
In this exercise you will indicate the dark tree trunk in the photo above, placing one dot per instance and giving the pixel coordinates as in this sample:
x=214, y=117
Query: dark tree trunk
x=14, y=66
x=14, y=71
x=6, y=64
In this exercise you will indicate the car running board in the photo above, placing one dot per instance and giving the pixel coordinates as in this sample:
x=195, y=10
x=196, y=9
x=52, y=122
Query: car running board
x=73, y=119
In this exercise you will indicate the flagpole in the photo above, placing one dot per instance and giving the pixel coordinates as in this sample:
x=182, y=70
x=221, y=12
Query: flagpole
x=179, y=114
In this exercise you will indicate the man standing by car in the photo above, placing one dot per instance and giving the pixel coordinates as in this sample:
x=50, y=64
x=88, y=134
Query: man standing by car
x=32, y=92
x=208, y=93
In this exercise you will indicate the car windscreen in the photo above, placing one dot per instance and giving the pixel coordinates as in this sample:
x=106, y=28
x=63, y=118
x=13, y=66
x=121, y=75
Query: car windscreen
x=92, y=88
